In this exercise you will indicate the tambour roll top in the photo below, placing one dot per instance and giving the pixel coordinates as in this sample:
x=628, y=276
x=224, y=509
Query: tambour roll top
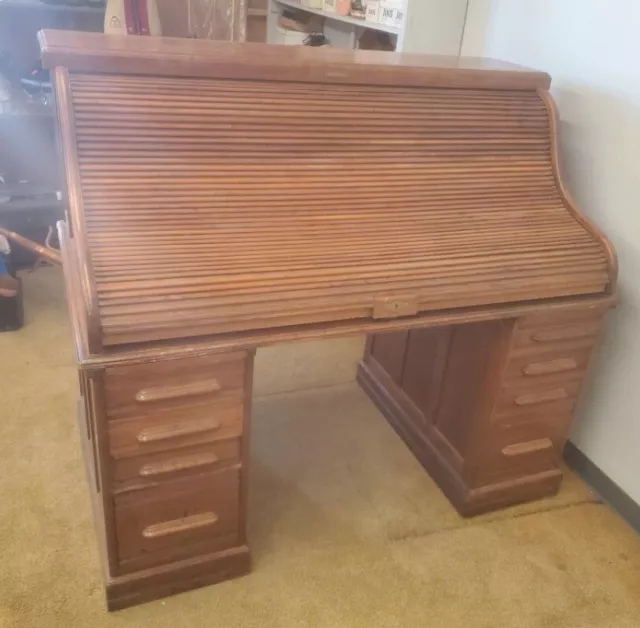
x=224, y=187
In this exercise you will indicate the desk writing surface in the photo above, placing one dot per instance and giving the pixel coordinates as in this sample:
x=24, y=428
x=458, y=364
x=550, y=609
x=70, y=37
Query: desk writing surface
x=216, y=204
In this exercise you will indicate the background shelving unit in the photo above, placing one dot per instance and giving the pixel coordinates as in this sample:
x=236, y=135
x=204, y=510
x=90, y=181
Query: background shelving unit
x=353, y=21
x=37, y=5
x=430, y=26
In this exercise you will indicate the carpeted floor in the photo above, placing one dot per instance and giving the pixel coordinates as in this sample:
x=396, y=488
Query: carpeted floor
x=346, y=528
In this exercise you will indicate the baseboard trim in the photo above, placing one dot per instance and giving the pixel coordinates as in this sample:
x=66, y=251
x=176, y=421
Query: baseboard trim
x=602, y=484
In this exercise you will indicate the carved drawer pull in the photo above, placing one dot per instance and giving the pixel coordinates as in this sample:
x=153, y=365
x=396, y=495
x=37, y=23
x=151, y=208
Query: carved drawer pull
x=178, y=464
x=520, y=449
x=158, y=530
x=147, y=395
x=176, y=430
x=569, y=333
x=541, y=397
x=552, y=366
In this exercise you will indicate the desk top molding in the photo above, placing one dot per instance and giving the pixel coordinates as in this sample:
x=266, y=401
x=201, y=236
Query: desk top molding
x=169, y=56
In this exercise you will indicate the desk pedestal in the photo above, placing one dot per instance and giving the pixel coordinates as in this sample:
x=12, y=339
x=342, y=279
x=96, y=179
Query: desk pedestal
x=485, y=407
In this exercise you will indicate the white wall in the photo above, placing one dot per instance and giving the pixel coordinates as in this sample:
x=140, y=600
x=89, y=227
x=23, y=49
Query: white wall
x=592, y=50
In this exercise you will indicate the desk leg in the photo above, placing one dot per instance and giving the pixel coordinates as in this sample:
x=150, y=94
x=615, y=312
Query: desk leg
x=485, y=407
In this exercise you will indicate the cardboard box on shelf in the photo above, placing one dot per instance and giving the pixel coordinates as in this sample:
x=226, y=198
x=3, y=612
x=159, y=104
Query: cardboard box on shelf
x=392, y=13
x=372, y=11
x=343, y=7
x=290, y=38
x=330, y=6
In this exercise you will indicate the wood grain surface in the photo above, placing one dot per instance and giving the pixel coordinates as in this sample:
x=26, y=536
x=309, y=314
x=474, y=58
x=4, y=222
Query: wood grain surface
x=175, y=57
x=214, y=206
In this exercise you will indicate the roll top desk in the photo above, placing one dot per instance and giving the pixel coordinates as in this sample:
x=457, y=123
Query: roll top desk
x=224, y=197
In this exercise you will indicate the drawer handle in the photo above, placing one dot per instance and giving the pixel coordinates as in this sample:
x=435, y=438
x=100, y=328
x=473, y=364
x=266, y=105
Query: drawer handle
x=158, y=530
x=150, y=395
x=552, y=366
x=541, y=397
x=571, y=333
x=176, y=430
x=177, y=464
x=520, y=449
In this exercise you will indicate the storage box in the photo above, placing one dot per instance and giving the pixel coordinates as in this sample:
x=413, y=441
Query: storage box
x=290, y=38
x=313, y=4
x=330, y=6
x=343, y=7
x=11, y=313
x=392, y=13
x=372, y=11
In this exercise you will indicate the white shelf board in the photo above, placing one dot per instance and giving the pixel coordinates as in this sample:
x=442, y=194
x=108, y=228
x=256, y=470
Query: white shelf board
x=44, y=6
x=342, y=18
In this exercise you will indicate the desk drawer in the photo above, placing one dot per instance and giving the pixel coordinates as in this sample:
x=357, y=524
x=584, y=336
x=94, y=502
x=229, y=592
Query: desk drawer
x=557, y=398
x=541, y=333
x=142, y=389
x=179, y=519
x=542, y=369
x=519, y=450
x=167, y=430
x=138, y=471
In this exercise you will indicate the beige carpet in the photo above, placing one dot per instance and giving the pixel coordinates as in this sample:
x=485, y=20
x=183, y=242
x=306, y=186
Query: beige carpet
x=346, y=528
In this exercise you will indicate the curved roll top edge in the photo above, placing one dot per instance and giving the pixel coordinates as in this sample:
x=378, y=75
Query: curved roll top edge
x=572, y=206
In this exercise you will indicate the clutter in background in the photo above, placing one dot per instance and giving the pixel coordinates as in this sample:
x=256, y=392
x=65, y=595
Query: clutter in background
x=23, y=92
x=387, y=12
x=75, y=3
x=132, y=17
x=304, y=26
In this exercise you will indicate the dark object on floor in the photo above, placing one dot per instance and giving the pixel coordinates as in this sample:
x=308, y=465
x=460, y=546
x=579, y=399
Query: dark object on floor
x=11, y=310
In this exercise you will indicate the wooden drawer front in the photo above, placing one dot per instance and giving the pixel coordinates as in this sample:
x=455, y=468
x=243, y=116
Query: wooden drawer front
x=573, y=334
x=179, y=519
x=558, y=398
x=136, y=471
x=167, y=430
x=137, y=389
x=541, y=370
x=521, y=449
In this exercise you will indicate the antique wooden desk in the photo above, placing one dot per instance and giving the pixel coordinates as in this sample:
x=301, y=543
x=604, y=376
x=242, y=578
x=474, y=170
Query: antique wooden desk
x=228, y=196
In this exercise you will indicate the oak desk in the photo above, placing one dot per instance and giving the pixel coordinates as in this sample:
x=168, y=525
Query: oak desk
x=228, y=196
